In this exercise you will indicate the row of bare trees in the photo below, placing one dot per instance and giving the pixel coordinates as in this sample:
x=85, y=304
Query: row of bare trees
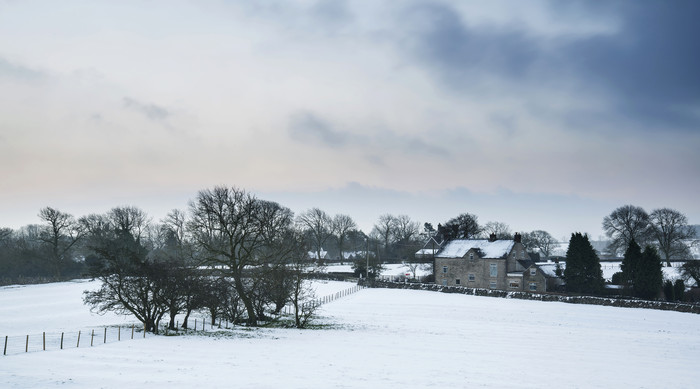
x=664, y=228
x=50, y=250
x=232, y=254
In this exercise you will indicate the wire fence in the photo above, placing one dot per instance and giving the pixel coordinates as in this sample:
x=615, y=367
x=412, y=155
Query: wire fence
x=95, y=336
x=89, y=337
x=289, y=309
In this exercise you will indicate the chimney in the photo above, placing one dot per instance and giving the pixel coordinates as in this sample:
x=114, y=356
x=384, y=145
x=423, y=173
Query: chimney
x=517, y=238
x=492, y=237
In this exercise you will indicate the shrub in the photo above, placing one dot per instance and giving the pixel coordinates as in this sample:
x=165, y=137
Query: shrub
x=679, y=290
x=669, y=291
x=617, y=278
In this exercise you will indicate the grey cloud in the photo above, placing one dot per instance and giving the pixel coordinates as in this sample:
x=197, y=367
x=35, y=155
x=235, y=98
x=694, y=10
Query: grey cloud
x=152, y=111
x=307, y=127
x=18, y=71
x=322, y=16
x=411, y=145
x=441, y=39
x=508, y=123
x=647, y=70
x=651, y=65
x=332, y=11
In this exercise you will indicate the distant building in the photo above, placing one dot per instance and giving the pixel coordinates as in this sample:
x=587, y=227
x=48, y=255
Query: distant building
x=490, y=263
x=314, y=255
x=430, y=248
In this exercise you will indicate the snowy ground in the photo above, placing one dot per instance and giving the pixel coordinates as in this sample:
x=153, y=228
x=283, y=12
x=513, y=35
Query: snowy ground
x=389, y=270
x=373, y=338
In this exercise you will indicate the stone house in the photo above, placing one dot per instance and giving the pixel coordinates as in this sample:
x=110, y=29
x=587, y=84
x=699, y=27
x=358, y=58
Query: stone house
x=490, y=264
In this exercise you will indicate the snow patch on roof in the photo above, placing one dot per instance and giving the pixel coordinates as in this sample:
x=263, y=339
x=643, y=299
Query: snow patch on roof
x=460, y=247
x=550, y=268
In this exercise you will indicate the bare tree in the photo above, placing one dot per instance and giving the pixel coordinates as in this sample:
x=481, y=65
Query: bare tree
x=129, y=219
x=5, y=233
x=407, y=241
x=385, y=230
x=132, y=282
x=233, y=228
x=625, y=224
x=185, y=286
x=319, y=226
x=61, y=233
x=302, y=294
x=671, y=232
x=499, y=229
x=342, y=225
x=540, y=240
x=405, y=229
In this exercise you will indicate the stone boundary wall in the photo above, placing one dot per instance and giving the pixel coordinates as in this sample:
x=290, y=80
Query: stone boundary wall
x=606, y=301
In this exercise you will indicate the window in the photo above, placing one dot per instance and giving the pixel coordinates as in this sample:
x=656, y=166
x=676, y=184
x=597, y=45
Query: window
x=492, y=285
x=494, y=270
x=533, y=271
x=533, y=286
x=457, y=282
x=471, y=256
x=514, y=284
x=444, y=269
x=472, y=278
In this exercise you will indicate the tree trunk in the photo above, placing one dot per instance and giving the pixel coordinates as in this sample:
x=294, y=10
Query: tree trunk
x=247, y=302
x=150, y=325
x=212, y=312
x=187, y=316
x=171, y=326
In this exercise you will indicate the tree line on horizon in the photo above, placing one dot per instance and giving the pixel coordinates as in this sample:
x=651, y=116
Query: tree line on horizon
x=263, y=251
x=59, y=248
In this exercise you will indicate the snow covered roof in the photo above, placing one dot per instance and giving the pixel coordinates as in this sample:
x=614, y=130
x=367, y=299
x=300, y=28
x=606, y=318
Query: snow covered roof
x=458, y=248
x=426, y=252
x=354, y=254
x=550, y=268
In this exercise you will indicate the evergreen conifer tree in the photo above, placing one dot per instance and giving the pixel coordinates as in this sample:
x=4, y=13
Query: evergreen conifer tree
x=669, y=291
x=678, y=290
x=630, y=265
x=583, y=273
x=649, y=277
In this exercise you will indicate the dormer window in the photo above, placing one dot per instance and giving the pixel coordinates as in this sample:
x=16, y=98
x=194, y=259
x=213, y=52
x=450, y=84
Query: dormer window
x=471, y=256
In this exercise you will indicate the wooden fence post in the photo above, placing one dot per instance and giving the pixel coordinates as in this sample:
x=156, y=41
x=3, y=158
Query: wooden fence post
x=132, y=331
x=4, y=351
x=92, y=337
x=105, y=341
x=26, y=346
x=119, y=333
x=43, y=336
x=144, y=330
x=195, y=324
x=78, y=344
x=61, y=340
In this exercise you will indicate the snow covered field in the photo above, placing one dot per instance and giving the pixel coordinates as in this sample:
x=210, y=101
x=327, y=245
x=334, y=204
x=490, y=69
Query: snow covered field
x=389, y=271
x=374, y=338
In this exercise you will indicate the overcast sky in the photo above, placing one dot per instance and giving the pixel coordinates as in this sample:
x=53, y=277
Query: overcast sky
x=542, y=115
